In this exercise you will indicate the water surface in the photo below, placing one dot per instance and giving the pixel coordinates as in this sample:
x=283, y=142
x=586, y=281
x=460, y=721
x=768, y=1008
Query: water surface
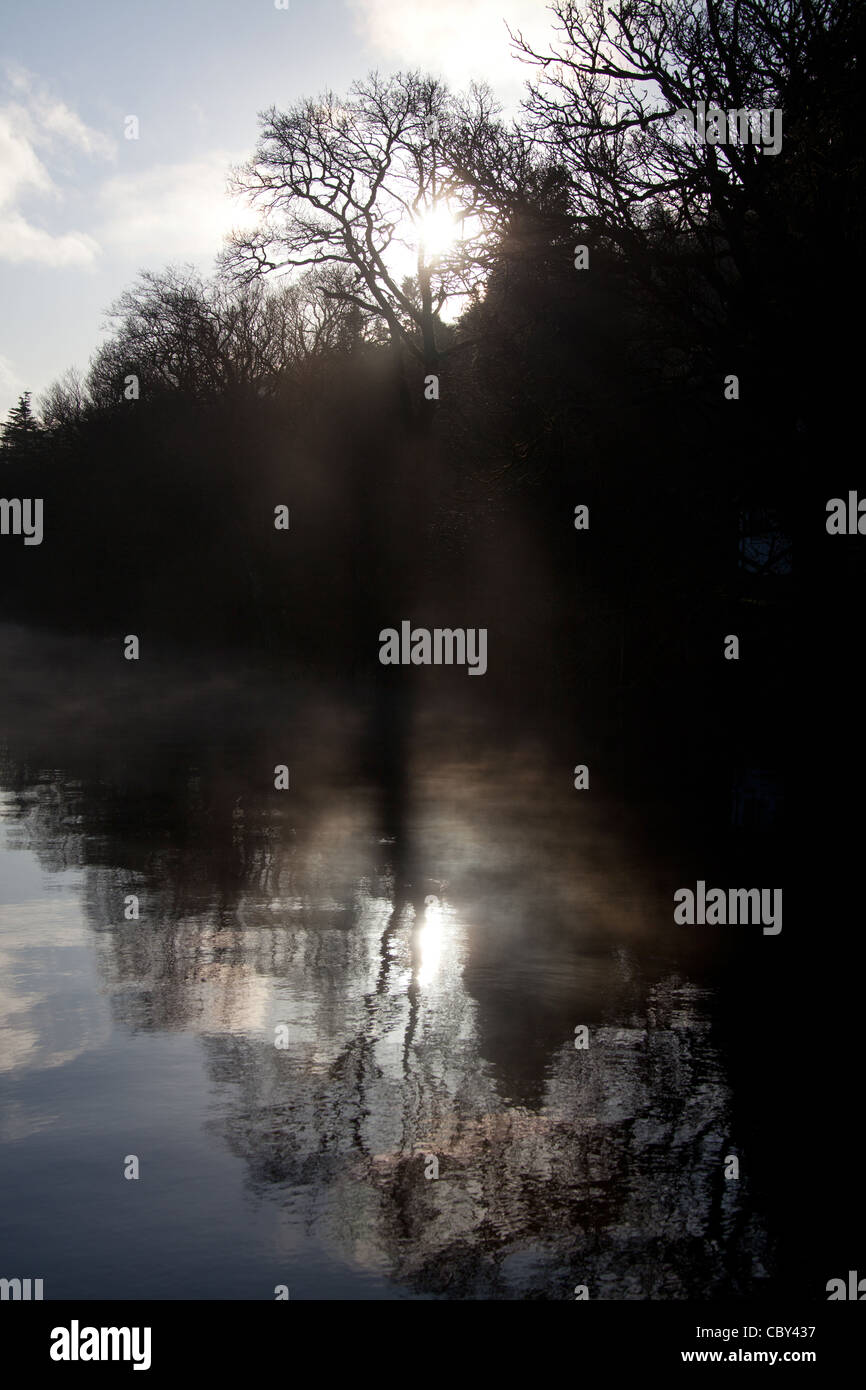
x=329, y=987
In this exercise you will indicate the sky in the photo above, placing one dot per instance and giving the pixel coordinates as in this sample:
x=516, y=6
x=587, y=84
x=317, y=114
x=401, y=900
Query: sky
x=84, y=209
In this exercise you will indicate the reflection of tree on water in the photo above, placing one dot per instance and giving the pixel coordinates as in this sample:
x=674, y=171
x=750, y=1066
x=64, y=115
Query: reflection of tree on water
x=417, y=1029
x=616, y=1180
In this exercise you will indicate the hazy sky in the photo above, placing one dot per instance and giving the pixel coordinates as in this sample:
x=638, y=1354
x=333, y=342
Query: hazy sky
x=83, y=209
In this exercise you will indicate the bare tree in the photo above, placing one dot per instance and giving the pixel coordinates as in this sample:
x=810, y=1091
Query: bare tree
x=354, y=184
x=605, y=97
x=65, y=402
x=166, y=332
x=315, y=316
x=178, y=332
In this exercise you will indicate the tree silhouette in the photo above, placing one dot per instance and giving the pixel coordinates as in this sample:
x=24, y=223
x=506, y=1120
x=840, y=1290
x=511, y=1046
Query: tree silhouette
x=181, y=333
x=350, y=184
x=605, y=99
x=21, y=431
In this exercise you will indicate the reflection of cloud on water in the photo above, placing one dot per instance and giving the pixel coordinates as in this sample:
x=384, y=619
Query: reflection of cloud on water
x=49, y=1014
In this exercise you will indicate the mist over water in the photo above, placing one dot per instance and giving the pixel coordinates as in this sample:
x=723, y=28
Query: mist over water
x=430, y=912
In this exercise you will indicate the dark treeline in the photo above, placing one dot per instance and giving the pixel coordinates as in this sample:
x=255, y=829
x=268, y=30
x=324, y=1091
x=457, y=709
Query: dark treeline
x=296, y=377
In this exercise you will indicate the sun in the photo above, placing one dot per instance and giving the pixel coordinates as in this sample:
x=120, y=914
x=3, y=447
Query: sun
x=436, y=231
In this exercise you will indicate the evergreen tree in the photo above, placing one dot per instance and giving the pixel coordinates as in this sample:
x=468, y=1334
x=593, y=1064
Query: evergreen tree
x=21, y=429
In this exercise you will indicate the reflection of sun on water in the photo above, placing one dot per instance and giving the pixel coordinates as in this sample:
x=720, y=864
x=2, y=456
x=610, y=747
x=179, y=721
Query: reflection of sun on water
x=430, y=940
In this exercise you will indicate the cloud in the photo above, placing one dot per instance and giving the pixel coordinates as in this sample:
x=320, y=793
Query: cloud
x=20, y=166
x=45, y=120
x=21, y=241
x=168, y=211
x=10, y=381
x=177, y=210
x=461, y=39
x=36, y=129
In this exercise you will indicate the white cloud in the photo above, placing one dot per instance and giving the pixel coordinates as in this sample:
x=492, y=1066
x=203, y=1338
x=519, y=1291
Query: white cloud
x=44, y=119
x=10, y=381
x=20, y=166
x=460, y=39
x=165, y=212
x=21, y=241
x=172, y=210
x=38, y=122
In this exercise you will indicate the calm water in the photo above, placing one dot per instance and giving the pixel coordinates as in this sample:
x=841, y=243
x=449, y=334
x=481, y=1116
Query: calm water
x=423, y=918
